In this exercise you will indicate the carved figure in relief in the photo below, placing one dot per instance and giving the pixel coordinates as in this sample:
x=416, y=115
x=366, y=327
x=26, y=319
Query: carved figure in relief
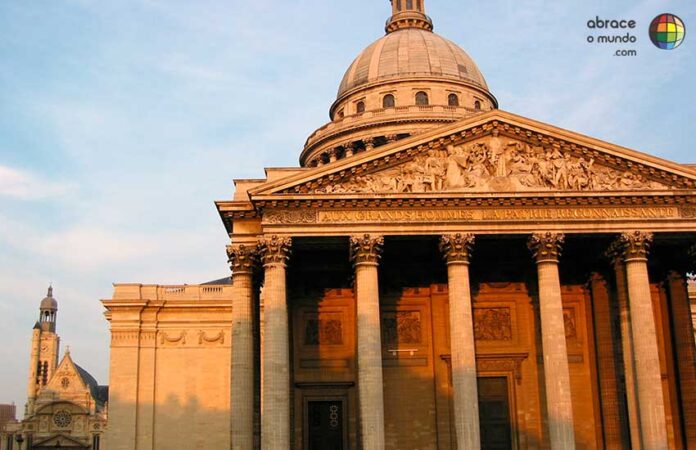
x=495, y=166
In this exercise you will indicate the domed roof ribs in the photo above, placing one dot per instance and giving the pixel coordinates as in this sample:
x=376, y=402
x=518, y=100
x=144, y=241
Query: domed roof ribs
x=408, y=14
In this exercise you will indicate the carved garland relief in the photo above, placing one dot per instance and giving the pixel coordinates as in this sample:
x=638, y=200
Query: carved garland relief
x=323, y=331
x=492, y=324
x=495, y=165
x=401, y=327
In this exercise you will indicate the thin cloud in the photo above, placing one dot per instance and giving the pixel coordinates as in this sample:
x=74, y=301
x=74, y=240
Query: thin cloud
x=25, y=185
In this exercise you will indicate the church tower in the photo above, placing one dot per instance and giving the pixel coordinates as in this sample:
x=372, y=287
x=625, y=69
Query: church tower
x=45, y=345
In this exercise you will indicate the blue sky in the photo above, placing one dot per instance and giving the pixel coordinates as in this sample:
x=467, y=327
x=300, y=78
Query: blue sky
x=121, y=121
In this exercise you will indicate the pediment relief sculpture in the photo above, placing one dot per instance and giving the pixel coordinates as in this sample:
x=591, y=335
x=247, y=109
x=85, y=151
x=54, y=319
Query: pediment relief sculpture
x=495, y=165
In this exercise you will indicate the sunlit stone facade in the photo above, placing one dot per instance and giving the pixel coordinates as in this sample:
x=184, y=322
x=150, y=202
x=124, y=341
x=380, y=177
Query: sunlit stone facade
x=437, y=274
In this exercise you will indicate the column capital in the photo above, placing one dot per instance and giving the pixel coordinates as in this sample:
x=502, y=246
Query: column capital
x=546, y=247
x=614, y=253
x=275, y=249
x=691, y=255
x=242, y=258
x=457, y=248
x=635, y=245
x=366, y=248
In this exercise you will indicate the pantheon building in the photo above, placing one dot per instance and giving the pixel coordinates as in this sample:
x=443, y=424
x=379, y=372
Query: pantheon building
x=437, y=273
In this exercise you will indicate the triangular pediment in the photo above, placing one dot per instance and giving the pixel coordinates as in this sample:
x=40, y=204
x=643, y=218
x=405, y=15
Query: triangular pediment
x=59, y=441
x=495, y=152
x=67, y=378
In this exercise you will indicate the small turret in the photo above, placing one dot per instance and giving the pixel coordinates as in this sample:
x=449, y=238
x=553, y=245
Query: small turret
x=48, y=311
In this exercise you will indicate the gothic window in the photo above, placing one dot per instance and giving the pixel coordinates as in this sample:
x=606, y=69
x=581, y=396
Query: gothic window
x=360, y=107
x=422, y=99
x=453, y=100
x=477, y=105
x=44, y=373
x=388, y=101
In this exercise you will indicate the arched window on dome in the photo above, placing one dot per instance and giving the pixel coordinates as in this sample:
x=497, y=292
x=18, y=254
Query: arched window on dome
x=398, y=5
x=422, y=99
x=477, y=105
x=388, y=101
x=419, y=5
x=453, y=100
x=360, y=107
x=340, y=114
x=409, y=4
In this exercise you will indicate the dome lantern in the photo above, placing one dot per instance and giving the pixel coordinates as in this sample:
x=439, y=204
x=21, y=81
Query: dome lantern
x=408, y=14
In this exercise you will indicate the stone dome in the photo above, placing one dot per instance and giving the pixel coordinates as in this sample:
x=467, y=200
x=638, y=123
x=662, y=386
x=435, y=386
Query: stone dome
x=49, y=303
x=407, y=82
x=411, y=52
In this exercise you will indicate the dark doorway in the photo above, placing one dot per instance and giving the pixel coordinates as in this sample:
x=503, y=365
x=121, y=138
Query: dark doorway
x=494, y=413
x=325, y=425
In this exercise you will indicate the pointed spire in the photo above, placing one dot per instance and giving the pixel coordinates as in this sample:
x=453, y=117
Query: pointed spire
x=408, y=14
x=50, y=291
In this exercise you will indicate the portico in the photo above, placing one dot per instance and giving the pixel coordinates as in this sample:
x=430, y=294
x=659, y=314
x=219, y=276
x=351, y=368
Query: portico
x=406, y=340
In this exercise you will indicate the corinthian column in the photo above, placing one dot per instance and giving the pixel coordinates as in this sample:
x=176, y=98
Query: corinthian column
x=651, y=406
x=242, y=259
x=615, y=254
x=457, y=250
x=365, y=252
x=546, y=248
x=275, y=414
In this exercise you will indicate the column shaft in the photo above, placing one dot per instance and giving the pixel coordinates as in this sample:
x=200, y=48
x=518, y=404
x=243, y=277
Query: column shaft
x=651, y=406
x=685, y=353
x=275, y=415
x=556, y=372
x=365, y=253
x=615, y=435
x=242, y=259
x=627, y=352
x=242, y=388
x=457, y=249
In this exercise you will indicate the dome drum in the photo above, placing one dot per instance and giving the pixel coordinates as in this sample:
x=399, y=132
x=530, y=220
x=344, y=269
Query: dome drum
x=407, y=120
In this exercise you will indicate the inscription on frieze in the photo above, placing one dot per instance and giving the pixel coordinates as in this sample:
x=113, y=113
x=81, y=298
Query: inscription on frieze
x=492, y=324
x=401, y=327
x=497, y=214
